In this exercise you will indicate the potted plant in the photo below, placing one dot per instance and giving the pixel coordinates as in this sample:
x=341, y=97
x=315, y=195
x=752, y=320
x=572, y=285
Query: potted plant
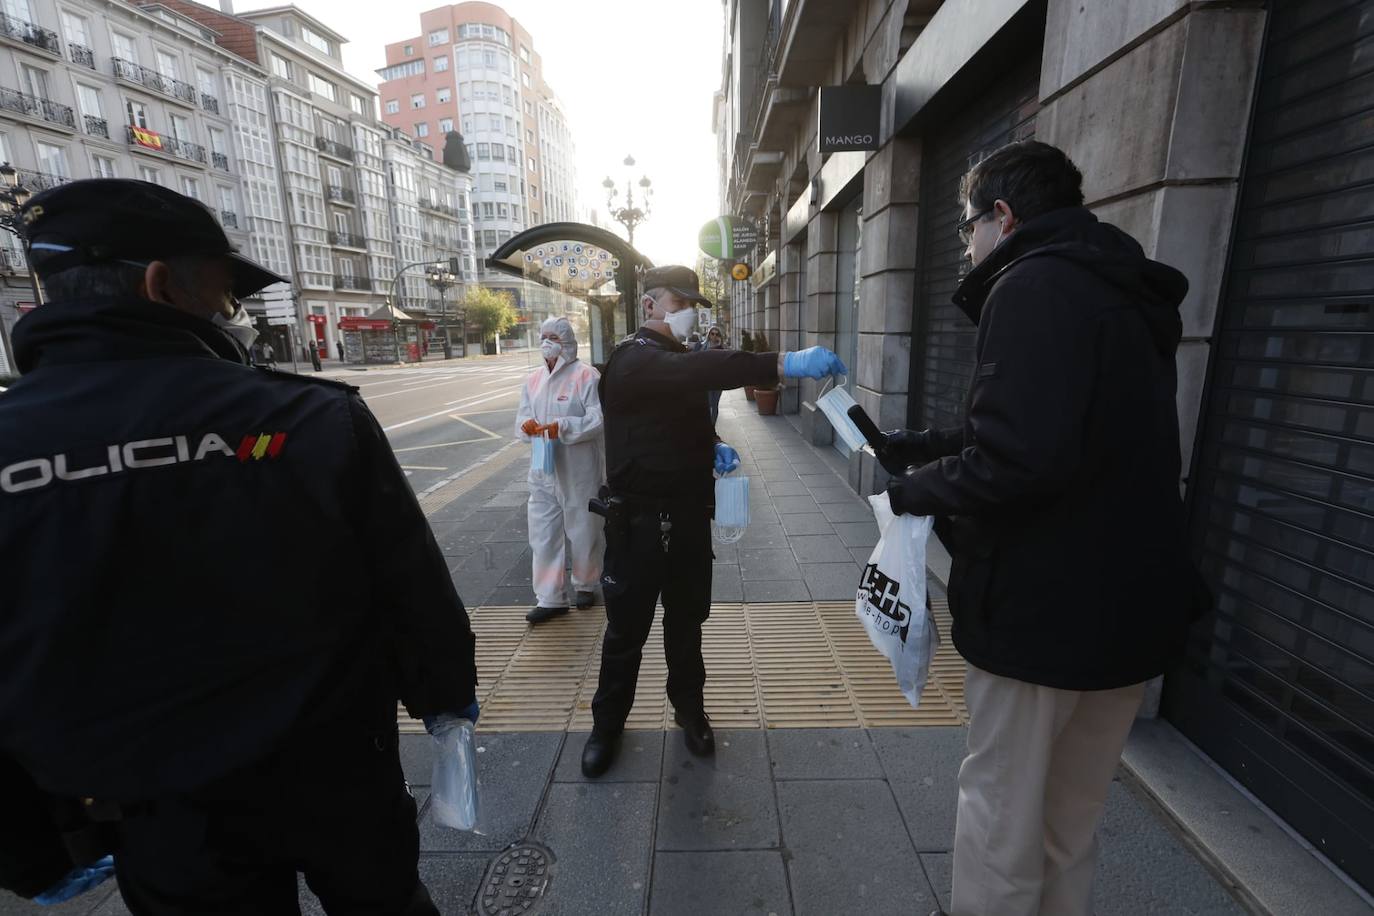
x=746, y=343
x=766, y=398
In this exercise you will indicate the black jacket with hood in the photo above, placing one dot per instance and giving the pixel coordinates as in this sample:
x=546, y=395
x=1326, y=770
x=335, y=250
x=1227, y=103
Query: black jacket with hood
x=1062, y=500
x=205, y=563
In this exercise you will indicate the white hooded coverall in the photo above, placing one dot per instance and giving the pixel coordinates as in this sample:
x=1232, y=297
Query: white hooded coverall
x=558, y=502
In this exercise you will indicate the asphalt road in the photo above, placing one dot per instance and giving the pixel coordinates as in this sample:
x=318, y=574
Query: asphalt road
x=444, y=417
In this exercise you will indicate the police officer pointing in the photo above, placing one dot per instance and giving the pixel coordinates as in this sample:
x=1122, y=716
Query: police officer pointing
x=660, y=451
x=218, y=580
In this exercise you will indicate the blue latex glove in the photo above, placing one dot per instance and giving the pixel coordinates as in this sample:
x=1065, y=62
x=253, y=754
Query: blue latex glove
x=727, y=459
x=77, y=882
x=433, y=723
x=813, y=362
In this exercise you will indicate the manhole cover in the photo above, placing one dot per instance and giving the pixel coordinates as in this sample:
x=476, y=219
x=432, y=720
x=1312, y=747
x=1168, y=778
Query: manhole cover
x=516, y=881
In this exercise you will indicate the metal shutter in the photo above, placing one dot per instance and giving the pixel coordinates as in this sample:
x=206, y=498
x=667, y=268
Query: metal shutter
x=1279, y=686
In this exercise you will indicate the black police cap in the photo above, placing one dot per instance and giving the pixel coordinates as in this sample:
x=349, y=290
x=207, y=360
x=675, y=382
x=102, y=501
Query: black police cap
x=679, y=279
x=118, y=219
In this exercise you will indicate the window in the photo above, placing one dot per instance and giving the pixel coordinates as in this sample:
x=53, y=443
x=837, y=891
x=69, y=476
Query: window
x=531, y=163
x=529, y=109
x=52, y=159
x=102, y=167
x=323, y=87
x=534, y=192
x=35, y=81
x=357, y=103
x=510, y=127
x=488, y=209
x=501, y=185
x=217, y=141
x=524, y=54
x=205, y=81
x=417, y=100
x=392, y=106
x=402, y=71
x=467, y=124
x=122, y=46
x=464, y=60
x=512, y=156
x=76, y=28
x=168, y=65
x=88, y=97
x=226, y=199
x=506, y=95
x=438, y=37
x=281, y=67
x=181, y=127
x=316, y=41
x=498, y=152
x=138, y=113
x=445, y=125
x=484, y=151
x=525, y=79
x=443, y=96
x=489, y=238
x=502, y=211
x=149, y=174
x=191, y=188
x=441, y=64
x=410, y=50
x=489, y=59
x=421, y=129
x=529, y=136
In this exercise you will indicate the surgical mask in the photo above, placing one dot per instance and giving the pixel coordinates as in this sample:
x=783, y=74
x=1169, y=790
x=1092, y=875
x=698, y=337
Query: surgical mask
x=551, y=349
x=681, y=322
x=240, y=327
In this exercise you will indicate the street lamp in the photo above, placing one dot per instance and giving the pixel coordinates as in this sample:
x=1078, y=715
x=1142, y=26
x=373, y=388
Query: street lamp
x=443, y=277
x=13, y=196
x=629, y=215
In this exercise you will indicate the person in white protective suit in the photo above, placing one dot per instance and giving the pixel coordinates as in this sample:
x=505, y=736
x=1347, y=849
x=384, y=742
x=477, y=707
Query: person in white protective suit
x=560, y=400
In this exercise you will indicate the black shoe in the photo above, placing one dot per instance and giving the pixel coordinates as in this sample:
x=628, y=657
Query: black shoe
x=585, y=600
x=540, y=614
x=599, y=753
x=696, y=731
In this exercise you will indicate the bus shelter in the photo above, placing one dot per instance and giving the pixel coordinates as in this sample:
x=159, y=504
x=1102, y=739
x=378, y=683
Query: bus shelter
x=583, y=272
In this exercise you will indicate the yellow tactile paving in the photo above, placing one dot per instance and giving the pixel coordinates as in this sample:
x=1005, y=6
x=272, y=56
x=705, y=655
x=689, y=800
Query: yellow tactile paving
x=793, y=665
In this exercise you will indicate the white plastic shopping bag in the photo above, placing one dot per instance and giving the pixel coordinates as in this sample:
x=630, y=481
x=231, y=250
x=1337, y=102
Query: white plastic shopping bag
x=454, y=800
x=541, y=455
x=732, y=508
x=892, y=597
x=835, y=404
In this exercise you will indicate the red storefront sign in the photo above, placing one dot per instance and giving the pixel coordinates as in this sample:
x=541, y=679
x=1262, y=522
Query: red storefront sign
x=362, y=324
x=317, y=319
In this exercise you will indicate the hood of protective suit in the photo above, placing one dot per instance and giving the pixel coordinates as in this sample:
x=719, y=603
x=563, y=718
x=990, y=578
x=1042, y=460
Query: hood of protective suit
x=564, y=329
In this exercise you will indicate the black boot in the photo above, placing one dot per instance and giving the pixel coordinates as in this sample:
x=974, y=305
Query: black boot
x=599, y=753
x=539, y=614
x=585, y=600
x=696, y=731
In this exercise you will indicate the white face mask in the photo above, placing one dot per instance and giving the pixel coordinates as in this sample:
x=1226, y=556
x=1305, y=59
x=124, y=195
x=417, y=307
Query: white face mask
x=240, y=327
x=551, y=349
x=682, y=321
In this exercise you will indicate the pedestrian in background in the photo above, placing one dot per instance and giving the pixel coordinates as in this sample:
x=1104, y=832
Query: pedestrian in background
x=269, y=355
x=715, y=340
x=661, y=449
x=222, y=720
x=338, y=347
x=560, y=400
x=1059, y=498
x=316, y=351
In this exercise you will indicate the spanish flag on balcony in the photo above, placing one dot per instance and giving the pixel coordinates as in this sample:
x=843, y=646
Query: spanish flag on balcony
x=150, y=139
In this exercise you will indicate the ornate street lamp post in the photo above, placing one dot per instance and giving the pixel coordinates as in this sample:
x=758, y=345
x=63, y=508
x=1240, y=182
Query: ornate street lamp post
x=442, y=278
x=13, y=196
x=629, y=215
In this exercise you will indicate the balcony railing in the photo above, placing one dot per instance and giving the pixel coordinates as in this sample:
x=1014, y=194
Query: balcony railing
x=34, y=182
x=347, y=240
x=438, y=207
x=345, y=282
x=220, y=161
x=97, y=127
x=80, y=54
x=131, y=72
x=172, y=146
x=334, y=148
x=344, y=195
x=34, y=107
x=209, y=102
x=229, y=218
x=29, y=33
x=193, y=152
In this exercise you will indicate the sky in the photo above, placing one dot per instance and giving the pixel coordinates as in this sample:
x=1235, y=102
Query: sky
x=660, y=61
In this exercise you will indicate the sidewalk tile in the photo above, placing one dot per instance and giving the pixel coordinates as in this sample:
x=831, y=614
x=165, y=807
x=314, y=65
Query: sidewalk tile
x=768, y=563
x=822, y=753
x=456, y=539
x=697, y=883
x=819, y=548
x=861, y=555
x=858, y=534
x=756, y=536
x=779, y=466
x=726, y=554
x=514, y=768
x=488, y=520
x=831, y=581
x=640, y=759
x=793, y=505
x=726, y=587
x=453, y=880
x=510, y=596
x=513, y=529
x=600, y=835
x=722, y=802
x=763, y=514
x=922, y=764
x=776, y=590
x=850, y=852
x=818, y=480
x=847, y=512
x=788, y=488
x=834, y=495
x=811, y=523
x=939, y=867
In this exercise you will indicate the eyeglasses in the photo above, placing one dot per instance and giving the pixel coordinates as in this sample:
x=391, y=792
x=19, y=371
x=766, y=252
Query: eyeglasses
x=965, y=226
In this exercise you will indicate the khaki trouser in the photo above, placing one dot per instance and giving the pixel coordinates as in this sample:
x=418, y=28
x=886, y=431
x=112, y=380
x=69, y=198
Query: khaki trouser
x=1031, y=793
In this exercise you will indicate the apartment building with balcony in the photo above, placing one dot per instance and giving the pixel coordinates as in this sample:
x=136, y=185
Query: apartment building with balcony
x=91, y=89
x=473, y=68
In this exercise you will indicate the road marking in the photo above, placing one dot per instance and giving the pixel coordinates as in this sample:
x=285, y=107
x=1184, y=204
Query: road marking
x=416, y=448
x=420, y=467
x=480, y=429
x=461, y=402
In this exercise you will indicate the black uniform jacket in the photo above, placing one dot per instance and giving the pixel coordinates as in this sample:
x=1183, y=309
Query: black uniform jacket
x=1070, y=566
x=659, y=437
x=201, y=559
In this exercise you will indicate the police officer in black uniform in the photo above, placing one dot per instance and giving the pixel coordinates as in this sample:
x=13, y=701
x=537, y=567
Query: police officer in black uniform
x=660, y=450
x=216, y=692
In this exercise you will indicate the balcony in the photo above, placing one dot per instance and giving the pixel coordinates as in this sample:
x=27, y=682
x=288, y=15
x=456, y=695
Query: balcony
x=40, y=181
x=209, y=103
x=151, y=140
x=80, y=54
x=435, y=207
x=347, y=240
x=229, y=219
x=341, y=195
x=359, y=283
x=34, y=107
x=28, y=33
x=220, y=161
x=96, y=127
x=131, y=72
x=334, y=148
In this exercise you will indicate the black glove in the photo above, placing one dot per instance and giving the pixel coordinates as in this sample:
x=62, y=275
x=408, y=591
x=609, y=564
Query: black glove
x=897, y=489
x=904, y=448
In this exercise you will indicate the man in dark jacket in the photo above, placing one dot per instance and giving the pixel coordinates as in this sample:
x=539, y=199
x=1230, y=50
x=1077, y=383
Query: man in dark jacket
x=1070, y=586
x=165, y=665
x=661, y=447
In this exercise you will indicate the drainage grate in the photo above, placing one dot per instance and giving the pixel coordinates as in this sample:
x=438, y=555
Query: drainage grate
x=516, y=881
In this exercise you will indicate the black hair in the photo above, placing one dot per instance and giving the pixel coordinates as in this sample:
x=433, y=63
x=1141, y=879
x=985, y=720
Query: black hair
x=1032, y=177
x=110, y=278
